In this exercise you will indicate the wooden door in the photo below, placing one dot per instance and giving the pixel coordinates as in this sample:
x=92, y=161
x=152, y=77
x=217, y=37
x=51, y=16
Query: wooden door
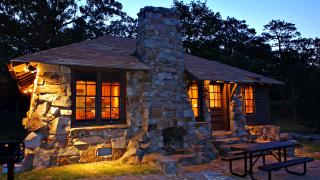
x=218, y=107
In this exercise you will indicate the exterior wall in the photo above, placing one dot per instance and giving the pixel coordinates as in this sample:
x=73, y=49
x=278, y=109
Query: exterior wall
x=155, y=100
x=262, y=109
x=51, y=140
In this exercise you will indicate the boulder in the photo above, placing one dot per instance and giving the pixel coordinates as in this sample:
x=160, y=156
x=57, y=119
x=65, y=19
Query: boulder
x=28, y=160
x=42, y=158
x=119, y=143
x=65, y=112
x=88, y=156
x=47, y=97
x=33, y=140
x=42, y=109
x=34, y=123
x=54, y=111
x=62, y=101
x=59, y=126
x=164, y=163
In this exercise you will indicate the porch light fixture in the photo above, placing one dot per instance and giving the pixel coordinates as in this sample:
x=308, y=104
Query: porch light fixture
x=30, y=68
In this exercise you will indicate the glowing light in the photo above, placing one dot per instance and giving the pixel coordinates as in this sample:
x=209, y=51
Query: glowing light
x=30, y=68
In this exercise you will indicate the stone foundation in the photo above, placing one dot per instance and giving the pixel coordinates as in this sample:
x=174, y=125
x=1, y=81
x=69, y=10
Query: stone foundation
x=264, y=132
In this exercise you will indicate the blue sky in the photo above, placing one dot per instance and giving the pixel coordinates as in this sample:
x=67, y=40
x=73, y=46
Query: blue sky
x=305, y=14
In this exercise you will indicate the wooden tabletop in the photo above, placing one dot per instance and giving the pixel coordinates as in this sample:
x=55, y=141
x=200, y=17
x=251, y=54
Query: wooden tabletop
x=254, y=147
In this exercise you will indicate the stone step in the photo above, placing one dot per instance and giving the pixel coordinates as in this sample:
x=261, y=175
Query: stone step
x=231, y=140
x=221, y=133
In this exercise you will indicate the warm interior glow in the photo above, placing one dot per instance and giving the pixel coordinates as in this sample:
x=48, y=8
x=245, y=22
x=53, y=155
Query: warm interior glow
x=85, y=100
x=249, y=99
x=215, y=96
x=193, y=96
x=110, y=100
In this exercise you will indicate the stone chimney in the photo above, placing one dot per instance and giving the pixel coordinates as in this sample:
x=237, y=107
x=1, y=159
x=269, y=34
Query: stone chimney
x=160, y=46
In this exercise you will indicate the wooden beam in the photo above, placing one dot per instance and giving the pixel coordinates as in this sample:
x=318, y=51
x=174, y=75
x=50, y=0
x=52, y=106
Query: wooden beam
x=233, y=90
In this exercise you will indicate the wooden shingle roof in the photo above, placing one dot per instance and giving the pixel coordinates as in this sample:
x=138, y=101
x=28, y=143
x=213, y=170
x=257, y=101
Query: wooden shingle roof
x=105, y=52
x=117, y=52
x=204, y=69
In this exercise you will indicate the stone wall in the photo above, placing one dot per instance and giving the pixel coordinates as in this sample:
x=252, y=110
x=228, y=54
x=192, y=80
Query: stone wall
x=237, y=116
x=160, y=46
x=51, y=140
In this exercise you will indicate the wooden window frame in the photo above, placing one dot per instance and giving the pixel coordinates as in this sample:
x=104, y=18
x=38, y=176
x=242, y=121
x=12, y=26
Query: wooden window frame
x=198, y=99
x=100, y=74
x=220, y=94
x=253, y=100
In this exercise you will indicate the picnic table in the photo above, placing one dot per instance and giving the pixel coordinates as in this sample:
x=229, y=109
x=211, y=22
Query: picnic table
x=257, y=150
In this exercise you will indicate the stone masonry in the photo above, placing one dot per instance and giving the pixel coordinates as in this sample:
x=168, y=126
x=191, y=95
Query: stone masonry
x=155, y=100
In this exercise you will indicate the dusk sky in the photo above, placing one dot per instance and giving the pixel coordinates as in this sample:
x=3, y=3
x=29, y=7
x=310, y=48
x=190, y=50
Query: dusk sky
x=304, y=13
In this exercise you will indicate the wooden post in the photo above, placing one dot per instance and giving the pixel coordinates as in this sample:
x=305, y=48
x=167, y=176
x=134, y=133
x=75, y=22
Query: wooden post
x=10, y=170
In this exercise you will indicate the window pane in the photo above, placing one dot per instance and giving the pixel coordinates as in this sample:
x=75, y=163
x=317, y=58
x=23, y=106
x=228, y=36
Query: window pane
x=90, y=113
x=80, y=114
x=195, y=112
x=115, y=101
x=81, y=88
x=106, y=89
x=115, y=113
x=194, y=103
x=115, y=90
x=80, y=102
x=249, y=99
x=90, y=102
x=91, y=88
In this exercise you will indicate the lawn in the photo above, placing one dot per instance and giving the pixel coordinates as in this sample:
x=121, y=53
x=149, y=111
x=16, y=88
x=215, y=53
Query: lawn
x=311, y=146
x=90, y=170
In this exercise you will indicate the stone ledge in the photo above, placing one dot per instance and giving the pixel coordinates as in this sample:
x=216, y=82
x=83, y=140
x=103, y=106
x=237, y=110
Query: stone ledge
x=90, y=128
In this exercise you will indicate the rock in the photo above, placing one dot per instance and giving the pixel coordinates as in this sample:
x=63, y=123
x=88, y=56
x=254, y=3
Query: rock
x=33, y=124
x=119, y=143
x=54, y=111
x=33, y=140
x=27, y=162
x=62, y=101
x=42, y=158
x=47, y=97
x=50, y=89
x=284, y=136
x=59, y=126
x=65, y=112
x=89, y=140
x=133, y=160
x=42, y=109
x=87, y=156
x=165, y=164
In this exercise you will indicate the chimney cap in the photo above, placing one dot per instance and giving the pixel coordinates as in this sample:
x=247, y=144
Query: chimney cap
x=167, y=12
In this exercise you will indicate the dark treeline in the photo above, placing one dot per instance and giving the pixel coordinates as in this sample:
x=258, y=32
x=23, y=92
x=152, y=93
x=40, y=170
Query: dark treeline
x=279, y=52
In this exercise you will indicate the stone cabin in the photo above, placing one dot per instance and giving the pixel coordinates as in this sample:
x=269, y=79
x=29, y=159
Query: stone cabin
x=113, y=97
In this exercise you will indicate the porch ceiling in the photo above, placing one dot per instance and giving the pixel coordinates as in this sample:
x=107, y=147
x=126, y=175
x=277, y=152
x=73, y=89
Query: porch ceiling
x=204, y=69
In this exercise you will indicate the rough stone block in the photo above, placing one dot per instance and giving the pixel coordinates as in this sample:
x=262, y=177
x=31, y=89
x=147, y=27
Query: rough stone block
x=62, y=101
x=59, y=126
x=33, y=140
x=65, y=112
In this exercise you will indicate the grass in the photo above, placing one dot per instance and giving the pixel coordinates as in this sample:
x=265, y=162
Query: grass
x=311, y=146
x=90, y=170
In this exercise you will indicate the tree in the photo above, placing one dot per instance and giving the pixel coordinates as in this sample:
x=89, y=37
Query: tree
x=280, y=34
x=30, y=26
x=199, y=24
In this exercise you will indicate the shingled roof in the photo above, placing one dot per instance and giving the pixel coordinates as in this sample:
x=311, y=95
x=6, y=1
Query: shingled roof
x=117, y=52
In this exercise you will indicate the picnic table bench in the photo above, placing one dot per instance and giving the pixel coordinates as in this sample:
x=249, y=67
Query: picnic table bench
x=257, y=150
x=11, y=152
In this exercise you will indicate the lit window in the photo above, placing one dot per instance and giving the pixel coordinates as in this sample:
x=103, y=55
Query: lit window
x=215, y=96
x=98, y=98
x=249, y=99
x=194, y=99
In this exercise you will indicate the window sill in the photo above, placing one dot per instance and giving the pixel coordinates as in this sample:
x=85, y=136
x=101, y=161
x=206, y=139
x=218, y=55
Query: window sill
x=113, y=126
